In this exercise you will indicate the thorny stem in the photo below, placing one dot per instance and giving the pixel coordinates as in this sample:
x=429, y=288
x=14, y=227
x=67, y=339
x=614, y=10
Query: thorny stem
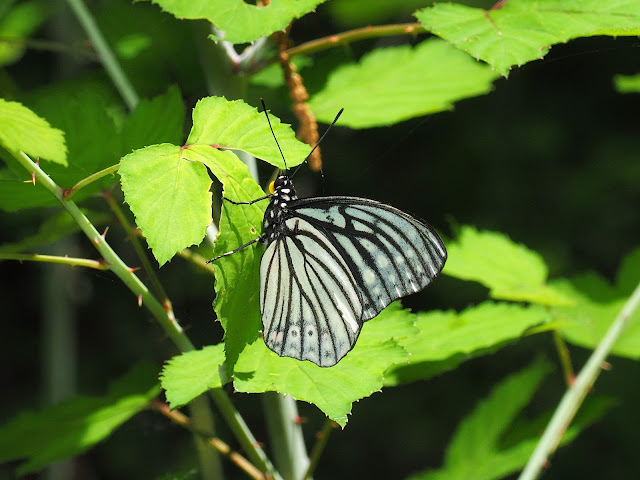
x=71, y=261
x=171, y=327
x=142, y=255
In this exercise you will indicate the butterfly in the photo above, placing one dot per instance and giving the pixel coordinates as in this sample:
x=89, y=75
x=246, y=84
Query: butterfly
x=331, y=264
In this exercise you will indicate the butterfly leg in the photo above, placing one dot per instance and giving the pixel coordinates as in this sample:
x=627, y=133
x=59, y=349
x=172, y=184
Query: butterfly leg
x=251, y=202
x=235, y=250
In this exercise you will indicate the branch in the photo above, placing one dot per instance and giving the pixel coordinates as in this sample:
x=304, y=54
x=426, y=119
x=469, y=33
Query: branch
x=180, y=419
x=106, y=55
x=578, y=391
x=345, y=38
x=71, y=261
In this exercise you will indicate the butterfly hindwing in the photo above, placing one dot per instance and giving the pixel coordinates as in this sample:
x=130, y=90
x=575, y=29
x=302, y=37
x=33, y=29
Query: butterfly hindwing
x=310, y=311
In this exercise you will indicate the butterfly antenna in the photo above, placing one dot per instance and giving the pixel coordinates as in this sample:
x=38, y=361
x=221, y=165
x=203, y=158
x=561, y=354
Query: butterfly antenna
x=321, y=138
x=264, y=107
x=325, y=133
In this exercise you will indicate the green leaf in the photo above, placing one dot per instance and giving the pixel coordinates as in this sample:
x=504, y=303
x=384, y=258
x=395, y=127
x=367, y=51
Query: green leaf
x=236, y=125
x=169, y=196
x=167, y=187
x=21, y=21
x=84, y=118
x=478, y=448
x=509, y=270
x=521, y=30
x=75, y=425
x=334, y=389
x=390, y=85
x=57, y=226
x=160, y=120
x=23, y=130
x=190, y=374
x=449, y=338
x=239, y=21
x=597, y=305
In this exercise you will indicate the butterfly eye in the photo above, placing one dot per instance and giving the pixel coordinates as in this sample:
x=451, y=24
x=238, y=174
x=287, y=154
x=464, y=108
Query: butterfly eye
x=271, y=187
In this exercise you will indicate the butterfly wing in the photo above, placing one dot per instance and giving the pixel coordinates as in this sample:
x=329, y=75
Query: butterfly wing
x=389, y=252
x=340, y=261
x=310, y=310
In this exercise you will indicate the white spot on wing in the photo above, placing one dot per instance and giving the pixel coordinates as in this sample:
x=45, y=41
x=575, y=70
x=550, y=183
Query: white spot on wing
x=369, y=276
x=346, y=314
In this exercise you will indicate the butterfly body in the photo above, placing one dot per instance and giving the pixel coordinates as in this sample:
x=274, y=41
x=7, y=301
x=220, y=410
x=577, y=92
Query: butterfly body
x=332, y=263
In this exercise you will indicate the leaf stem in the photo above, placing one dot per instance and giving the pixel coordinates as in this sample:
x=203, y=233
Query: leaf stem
x=344, y=38
x=135, y=241
x=318, y=448
x=285, y=434
x=576, y=393
x=242, y=433
x=565, y=359
x=67, y=194
x=179, y=418
x=106, y=55
x=71, y=261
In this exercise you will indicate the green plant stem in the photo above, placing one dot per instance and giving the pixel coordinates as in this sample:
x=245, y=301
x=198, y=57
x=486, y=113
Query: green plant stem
x=565, y=359
x=50, y=46
x=345, y=38
x=135, y=241
x=285, y=434
x=198, y=260
x=318, y=448
x=179, y=418
x=71, y=261
x=242, y=432
x=90, y=179
x=106, y=55
x=575, y=395
x=200, y=412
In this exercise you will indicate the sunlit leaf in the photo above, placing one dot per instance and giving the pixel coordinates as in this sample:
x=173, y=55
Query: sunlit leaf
x=510, y=270
x=239, y=21
x=521, y=30
x=190, y=374
x=449, y=338
x=23, y=130
x=390, y=85
x=333, y=390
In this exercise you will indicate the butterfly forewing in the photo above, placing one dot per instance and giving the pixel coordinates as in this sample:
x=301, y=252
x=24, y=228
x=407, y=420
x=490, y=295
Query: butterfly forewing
x=389, y=252
x=333, y=263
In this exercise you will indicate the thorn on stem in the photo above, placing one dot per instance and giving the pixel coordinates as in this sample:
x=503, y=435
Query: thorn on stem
x=140, y=300
x=104, y=234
